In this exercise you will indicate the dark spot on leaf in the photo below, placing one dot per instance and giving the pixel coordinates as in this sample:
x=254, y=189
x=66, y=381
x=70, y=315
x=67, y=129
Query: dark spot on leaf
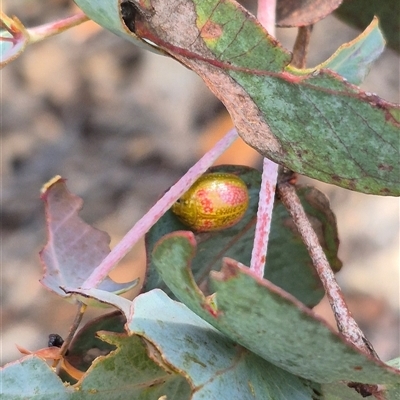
x=364, y=389
x=385, y=167
x=229, y=269
x=385, y=192
x=352, y=184
x=317, y=392
x=336, y=178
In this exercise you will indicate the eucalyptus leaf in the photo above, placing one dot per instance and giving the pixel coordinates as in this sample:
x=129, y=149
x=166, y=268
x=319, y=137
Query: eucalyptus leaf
x=359, y=13
x=216, y=367
x=317, y=124
x=265, y=319
x=74, y=249
x=108, y=14
x=181, y=342
x=353, y=60
x=32, y=378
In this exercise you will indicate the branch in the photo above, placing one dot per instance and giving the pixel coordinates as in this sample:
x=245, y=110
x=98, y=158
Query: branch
x=300, y=48
x=45, y=31
x=345, y=322
x=74, y=327
x=266, y=15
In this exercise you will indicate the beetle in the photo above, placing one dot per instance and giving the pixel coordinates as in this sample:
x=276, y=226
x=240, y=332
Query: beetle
x=55, y=340
x=216, y=201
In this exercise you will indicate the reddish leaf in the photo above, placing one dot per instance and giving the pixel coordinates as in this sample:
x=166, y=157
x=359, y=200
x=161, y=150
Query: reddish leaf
x=47, y=353
x=74, y=249
x=305, y=12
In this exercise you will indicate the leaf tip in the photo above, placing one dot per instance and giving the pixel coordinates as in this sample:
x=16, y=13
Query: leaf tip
x=46, y=187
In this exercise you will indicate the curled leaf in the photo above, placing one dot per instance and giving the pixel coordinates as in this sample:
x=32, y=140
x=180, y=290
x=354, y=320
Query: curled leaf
x=74, y=249
x=47, y=353
x=353, y=60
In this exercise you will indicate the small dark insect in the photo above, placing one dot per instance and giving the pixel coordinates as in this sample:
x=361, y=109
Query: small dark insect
x=55, y=340
x=130, y=13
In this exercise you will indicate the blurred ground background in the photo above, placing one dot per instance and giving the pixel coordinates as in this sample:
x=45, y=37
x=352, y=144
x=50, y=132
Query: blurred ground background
x=122, y=125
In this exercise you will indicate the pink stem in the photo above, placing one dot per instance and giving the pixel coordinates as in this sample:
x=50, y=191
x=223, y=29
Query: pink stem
x=266, y=16
x=264, y=217
x=266, y=12
x=41, y=32
x=158, y=210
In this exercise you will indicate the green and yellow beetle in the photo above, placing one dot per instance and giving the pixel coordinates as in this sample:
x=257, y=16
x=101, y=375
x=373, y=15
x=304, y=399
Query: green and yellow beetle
x=216, y=201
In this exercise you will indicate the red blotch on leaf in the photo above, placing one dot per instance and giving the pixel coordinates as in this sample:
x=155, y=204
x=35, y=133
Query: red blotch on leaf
x=211, y=30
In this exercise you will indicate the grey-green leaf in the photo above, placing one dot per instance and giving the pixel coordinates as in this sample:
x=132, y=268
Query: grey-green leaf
x=108, y=14
x=216, y=367
x=353, y=60
x=265, y=319
x=316, y=124
x=32, y=378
